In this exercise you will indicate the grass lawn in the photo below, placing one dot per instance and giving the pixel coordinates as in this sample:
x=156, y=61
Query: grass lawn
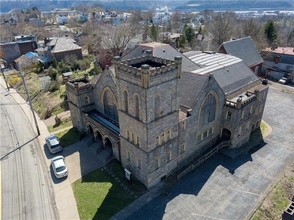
x=67, y=123
x=278, y=199
x=257, y=135
x=263, y=127
x=99, y=196
x=69, y=137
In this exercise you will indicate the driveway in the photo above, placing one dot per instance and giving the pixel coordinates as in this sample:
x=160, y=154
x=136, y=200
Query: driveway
x=225, y=188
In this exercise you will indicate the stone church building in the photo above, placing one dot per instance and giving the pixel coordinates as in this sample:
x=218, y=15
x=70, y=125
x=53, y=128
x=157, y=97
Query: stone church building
x=156, y=107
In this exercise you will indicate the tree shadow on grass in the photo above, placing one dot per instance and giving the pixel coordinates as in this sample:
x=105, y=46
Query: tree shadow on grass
x=106, y=192
x=69, y=137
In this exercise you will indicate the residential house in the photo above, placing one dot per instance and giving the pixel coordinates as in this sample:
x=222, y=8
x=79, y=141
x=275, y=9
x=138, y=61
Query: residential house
x=279, y=62
x=9, y=51
x=27, y=59
x=58, y=49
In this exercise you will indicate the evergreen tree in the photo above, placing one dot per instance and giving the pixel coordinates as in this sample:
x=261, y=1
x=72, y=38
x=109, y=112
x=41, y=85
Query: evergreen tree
x=270, y=32
x=189, y=34
x=154, y=32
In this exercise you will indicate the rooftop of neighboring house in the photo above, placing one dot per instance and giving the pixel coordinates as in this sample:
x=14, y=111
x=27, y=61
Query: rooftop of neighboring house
x=63, y=44
x=26, y=58
x=243, y=48
x=25, y=38
x=280, y=50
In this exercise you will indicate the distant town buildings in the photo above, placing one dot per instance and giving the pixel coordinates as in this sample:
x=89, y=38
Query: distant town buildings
x=9, y=51
x=279, y=62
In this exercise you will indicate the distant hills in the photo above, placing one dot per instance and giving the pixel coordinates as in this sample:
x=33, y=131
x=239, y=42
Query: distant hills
x=179, y=5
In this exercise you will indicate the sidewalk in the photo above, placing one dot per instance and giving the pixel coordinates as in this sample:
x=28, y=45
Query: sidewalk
x=64, y=197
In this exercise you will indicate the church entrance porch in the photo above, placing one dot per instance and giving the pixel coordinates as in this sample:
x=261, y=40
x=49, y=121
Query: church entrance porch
x=90, y=130
x=105, y=133
x=107, y=145
x=226, y=134
x=98, y=137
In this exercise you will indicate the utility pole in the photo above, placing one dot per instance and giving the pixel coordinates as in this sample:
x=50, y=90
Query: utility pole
x=1, y=67
x=29, y=98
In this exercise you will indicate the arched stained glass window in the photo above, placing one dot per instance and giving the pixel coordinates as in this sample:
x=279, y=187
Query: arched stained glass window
x=110, y=105
x=208, y=110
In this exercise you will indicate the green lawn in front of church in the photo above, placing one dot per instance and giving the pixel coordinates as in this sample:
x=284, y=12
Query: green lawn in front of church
x=104, y=192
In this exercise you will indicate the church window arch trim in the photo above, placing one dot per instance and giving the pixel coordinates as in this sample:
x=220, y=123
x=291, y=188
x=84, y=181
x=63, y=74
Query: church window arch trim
x=109, y=103
x=209, y=109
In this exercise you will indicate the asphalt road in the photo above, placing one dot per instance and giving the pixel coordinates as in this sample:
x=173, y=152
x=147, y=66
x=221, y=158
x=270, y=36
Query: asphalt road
x=26, y=189
x=224, y=188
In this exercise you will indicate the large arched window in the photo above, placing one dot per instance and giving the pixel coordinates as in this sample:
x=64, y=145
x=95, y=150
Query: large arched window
x=136, y=98
x=157, y=106
x=126, y=102
x=109, y=104
x=208, y=110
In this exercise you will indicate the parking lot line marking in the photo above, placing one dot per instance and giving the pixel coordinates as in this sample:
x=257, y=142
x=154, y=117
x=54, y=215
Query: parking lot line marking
x=205, y=216
x=246, y=192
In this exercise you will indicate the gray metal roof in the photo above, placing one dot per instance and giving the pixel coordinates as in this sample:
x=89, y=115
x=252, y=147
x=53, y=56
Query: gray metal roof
x=230, y=72
x=164, y=51
x=245, y=49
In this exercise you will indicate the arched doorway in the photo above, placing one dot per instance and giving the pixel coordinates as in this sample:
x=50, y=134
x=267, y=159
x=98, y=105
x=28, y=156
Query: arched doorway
x=108, y=144
x=90, y=130
x=226, y=134
x=98, y=137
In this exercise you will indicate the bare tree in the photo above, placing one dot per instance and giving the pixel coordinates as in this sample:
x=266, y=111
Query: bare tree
x=222, y=28
x=116, y=38
x=254, y=29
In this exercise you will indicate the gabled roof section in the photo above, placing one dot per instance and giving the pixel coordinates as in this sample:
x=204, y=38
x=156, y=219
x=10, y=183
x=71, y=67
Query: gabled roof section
x=63, y=44
x=190, y=85
x=230, y=72
x=243, y=48
x=164, y=51
x=109, y=72
x=234, y=77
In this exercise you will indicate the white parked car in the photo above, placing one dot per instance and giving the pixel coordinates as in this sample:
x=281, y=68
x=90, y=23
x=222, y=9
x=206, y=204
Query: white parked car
x=283, y=80
x=53, y=144
x=59, y=167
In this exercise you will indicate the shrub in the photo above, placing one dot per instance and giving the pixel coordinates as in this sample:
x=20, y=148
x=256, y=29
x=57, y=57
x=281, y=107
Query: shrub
x=54, y=86
x=96, y=70
x=13, y=80
x=52, y=72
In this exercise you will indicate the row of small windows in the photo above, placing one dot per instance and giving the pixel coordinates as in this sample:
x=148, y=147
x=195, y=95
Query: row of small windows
x=156, y=160
x=205, y=134
x=164, y=137
x=243, y=111
x=133, y=138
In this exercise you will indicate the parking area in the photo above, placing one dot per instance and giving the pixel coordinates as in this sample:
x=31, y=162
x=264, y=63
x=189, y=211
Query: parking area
x=225, y=188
